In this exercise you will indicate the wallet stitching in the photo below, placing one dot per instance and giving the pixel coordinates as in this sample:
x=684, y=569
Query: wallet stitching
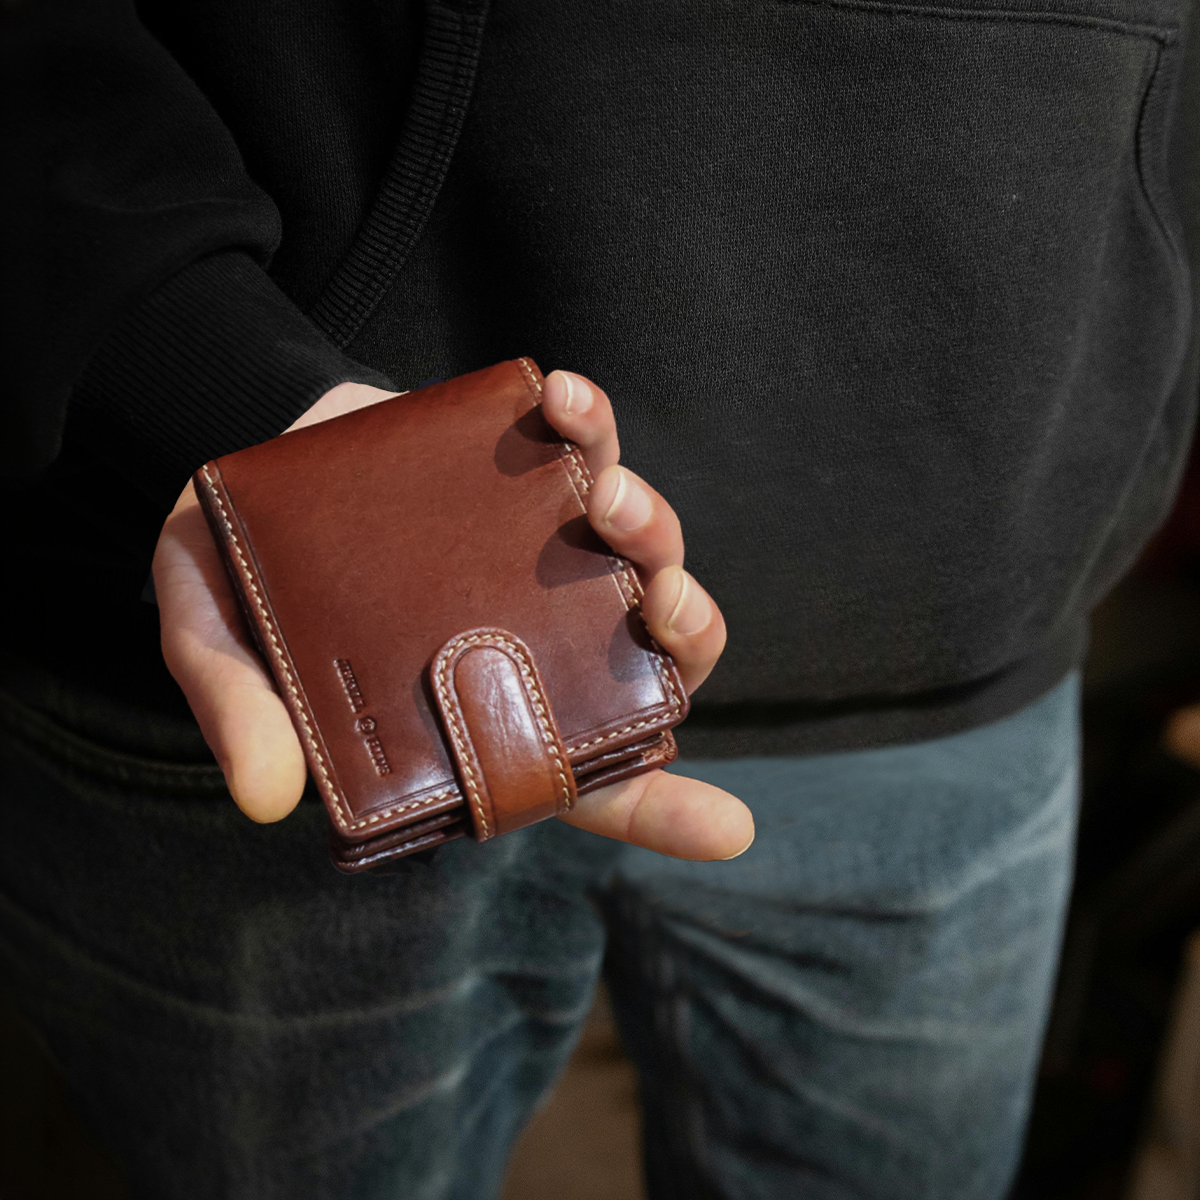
x=501, y=641
x=628, y=587
x=248, y=578
x=622, y=574
x=383, y=814
x=535, y=384
x=616, y=733
x=542, y=706
x=535, y=693
x=581, y=482
x=247, y=571
x=460, y=741
x=660, y=663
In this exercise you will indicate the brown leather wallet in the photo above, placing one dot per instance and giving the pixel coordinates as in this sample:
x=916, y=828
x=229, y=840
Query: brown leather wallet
x=457, y=648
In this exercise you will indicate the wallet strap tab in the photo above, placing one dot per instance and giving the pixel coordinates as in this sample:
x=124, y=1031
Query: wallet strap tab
x=508, y=753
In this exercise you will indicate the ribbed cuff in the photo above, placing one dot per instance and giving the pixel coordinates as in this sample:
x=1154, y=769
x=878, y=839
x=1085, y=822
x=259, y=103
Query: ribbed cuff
x=216, y=359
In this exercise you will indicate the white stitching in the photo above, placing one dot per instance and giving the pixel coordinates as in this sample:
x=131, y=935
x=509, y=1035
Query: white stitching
x=628, y=585
x=536, y=695
x=459, y=742
x=499, y=640
x=575, y=464
x=530, y=377
x=247, y=573
x=619, y=570
x=391, y=812
x=616, y=733
x=621, y=574
x=276, y=647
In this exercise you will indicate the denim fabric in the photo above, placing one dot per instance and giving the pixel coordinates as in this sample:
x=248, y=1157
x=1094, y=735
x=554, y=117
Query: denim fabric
x=854, y=1007
x=851, y=1008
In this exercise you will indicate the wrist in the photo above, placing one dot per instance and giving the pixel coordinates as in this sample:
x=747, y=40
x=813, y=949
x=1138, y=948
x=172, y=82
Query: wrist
x=346, y=397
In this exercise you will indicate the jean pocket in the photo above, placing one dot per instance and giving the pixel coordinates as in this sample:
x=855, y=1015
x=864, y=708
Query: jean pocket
x=63, y=748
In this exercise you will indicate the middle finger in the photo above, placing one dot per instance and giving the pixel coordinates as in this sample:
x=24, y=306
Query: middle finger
x=635, y=521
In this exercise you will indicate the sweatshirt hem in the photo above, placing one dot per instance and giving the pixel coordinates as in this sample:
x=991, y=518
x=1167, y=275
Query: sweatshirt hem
x=860, y=723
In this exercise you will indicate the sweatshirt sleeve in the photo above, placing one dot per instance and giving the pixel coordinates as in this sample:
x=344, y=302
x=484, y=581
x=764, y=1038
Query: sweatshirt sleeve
x=135, y=302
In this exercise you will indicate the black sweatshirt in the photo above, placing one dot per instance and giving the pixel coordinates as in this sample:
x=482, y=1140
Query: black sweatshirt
x=893, y=301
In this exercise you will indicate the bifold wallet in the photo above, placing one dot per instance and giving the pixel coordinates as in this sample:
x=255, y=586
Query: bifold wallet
x=459, y=651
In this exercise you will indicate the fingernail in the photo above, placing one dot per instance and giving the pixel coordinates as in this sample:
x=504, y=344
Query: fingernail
x=692, y=610
x=579, y=396
x=631, y=506
x=731, y=857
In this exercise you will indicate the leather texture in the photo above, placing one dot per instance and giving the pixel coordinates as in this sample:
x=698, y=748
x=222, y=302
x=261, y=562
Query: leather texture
x=459, y=651
x=511, y=760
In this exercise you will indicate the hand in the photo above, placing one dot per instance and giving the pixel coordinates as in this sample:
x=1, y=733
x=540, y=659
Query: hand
x=1181, y=735
x=668, y=813
x=233, y=697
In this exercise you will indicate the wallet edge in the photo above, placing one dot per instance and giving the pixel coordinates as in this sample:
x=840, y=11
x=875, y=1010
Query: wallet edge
x=360, y=829
x=242, y=569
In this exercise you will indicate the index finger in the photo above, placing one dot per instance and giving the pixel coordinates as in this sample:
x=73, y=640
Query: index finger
x=581, y=413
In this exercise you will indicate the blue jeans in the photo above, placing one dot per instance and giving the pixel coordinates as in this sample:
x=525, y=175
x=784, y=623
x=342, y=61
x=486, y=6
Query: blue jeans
x=852, y=1008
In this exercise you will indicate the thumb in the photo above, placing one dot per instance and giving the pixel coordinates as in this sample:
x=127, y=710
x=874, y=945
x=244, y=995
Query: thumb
x=249, y=730
x=230, y=691
x=672, y=814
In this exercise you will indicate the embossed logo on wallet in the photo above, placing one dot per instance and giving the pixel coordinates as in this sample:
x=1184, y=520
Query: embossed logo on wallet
x=350, y=684
x=365, y=726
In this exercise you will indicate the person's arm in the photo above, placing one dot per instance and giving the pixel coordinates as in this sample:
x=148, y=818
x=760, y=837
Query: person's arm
x=134, y=299
x=230, y=690
x=135, y=303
